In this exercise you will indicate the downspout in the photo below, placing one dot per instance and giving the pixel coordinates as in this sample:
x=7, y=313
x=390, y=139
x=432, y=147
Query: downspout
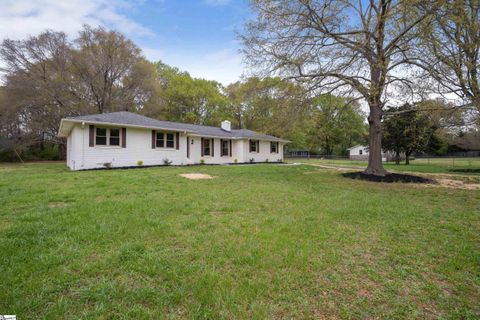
x=83, y=144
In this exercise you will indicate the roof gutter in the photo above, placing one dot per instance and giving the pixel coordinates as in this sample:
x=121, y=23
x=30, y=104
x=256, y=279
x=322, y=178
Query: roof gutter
x=118, y=124
x=239, y=138
x=190, y=132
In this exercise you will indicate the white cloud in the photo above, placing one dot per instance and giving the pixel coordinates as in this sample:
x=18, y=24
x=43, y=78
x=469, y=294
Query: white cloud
x=153, y=54
x=21, y=18
x=224, y=66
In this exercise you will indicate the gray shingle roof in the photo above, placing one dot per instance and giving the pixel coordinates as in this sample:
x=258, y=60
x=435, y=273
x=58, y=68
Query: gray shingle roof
x=129, y=118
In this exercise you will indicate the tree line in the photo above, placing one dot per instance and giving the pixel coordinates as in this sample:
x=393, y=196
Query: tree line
x=48, y=77
x=320, y=60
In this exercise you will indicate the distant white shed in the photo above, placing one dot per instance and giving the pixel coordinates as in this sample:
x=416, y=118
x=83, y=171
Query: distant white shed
x=360, y=152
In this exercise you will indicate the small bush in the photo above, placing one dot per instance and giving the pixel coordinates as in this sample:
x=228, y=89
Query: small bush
x=252, y=160
x=107, y=165
x=235, y=161
x=139, y=163
x=266, y=160
x=167, y=162
x=202, y=161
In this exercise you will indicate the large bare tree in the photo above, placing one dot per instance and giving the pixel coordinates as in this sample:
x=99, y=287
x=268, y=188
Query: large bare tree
x=38, y=84
x=111, y=70
x=48, y=77
x=450, y=51
x=351, y=47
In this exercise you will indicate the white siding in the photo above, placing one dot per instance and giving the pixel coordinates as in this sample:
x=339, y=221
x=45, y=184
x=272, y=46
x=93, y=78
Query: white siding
x=264, y=154
x=355, y=151
x=139, y=147
x=196, y=152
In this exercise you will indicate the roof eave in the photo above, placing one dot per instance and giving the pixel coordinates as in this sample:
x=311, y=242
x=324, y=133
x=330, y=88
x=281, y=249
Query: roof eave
x=122, y=124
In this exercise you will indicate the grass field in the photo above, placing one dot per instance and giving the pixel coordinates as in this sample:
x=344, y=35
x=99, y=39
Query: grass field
x=469, y=166
x=256, y=242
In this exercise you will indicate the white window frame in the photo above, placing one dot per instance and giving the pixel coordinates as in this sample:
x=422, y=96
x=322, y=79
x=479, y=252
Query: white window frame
x=257, y=142
x=107, y=136
x=228, y=148
x=209, y=147
x=164, y=134
x=277, y=146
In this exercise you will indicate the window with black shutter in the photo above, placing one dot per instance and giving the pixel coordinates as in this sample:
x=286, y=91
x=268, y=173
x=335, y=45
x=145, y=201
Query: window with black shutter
x=101, y=137
x=254, y=146
x=225, y=148
x=107, y=137
x=165, y=140
x=114, y=137
x=273, y=147
x=206, y=147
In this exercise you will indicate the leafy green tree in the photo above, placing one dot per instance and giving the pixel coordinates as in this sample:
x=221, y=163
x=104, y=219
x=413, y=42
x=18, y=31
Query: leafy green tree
x=180, y=97
x=407, y=131
x=270, y=105
x=448, y=121
x=337, y=124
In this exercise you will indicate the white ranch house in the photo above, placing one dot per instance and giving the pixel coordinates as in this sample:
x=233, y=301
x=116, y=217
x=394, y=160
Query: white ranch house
x=125, y=139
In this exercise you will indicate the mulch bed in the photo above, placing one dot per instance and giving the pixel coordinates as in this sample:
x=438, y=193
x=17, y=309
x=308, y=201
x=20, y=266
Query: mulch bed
x=467, y=170
x=390, y=177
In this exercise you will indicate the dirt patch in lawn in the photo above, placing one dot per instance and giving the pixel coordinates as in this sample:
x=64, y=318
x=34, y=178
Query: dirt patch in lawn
x=57, y=204
x=458, y=184
x=424, y=179
x=389, y=178
x=196, y=176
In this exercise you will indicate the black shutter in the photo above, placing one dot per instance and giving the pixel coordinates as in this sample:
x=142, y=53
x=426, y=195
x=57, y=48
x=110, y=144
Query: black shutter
x=230, y=149
x=258, y=146
x=154, y=138
x=91, y=136
x=124, y=137
x=201, y=147
x=213, y=147
x=188, y=147
x=177, y=142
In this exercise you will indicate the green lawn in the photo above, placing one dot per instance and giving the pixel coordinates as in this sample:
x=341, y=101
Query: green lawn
x=468, y=166
x=258, y=241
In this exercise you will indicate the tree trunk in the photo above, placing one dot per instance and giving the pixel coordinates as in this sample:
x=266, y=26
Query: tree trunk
x=62, y=151
x=407, y=158
x=397, y=157
x=375, y=166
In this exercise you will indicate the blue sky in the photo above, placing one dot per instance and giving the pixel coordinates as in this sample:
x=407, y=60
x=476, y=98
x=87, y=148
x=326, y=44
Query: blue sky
x=195, y=35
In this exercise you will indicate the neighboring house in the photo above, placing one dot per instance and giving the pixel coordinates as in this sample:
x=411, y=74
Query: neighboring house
x=359, y=152
x=125, y=139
